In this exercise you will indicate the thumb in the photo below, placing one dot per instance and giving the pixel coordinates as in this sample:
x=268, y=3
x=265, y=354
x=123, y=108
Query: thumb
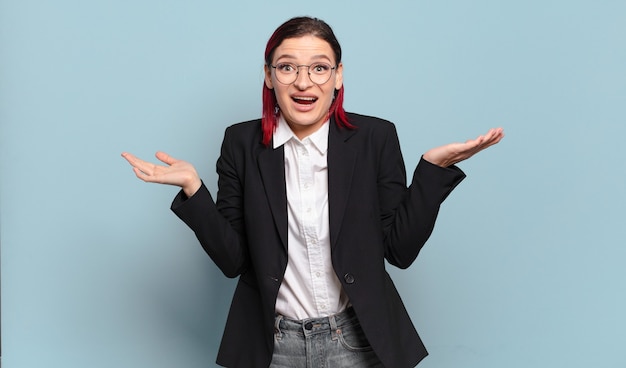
x=164, y=157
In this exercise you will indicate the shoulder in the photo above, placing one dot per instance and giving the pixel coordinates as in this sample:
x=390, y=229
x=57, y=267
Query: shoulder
x=250, y=127
x=369, y=122
x=245, y=132
x=373, y=127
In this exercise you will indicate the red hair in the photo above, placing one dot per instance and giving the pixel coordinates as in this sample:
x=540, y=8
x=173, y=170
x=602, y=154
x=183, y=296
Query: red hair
x=298, y=27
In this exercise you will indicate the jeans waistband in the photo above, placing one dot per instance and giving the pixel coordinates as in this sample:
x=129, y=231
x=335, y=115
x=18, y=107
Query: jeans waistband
x=320, y=324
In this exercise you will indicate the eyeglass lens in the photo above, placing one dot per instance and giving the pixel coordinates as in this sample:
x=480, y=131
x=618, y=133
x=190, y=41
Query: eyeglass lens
x=287, y=73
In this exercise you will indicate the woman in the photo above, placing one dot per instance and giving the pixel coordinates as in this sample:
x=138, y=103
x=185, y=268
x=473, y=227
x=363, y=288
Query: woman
x=311, y=202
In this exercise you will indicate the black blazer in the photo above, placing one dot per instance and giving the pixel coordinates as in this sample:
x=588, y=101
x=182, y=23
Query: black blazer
x=373, y=217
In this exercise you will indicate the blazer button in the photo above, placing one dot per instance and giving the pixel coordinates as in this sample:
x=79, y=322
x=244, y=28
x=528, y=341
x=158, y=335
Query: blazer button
x=349, y=278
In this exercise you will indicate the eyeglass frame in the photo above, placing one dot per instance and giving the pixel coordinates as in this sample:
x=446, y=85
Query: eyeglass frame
x=308, y=71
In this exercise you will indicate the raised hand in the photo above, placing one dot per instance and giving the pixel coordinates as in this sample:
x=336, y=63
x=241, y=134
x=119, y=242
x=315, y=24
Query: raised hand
x=175, y=172
x=453, y=153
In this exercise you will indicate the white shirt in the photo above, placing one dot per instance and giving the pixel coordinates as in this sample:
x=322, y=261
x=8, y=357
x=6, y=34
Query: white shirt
x=310, y=287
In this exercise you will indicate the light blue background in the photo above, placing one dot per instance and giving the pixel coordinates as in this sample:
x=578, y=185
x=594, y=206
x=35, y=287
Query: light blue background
x=526, y=265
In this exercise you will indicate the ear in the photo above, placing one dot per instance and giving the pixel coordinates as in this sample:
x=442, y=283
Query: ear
x=268, y=77
x=339, y=77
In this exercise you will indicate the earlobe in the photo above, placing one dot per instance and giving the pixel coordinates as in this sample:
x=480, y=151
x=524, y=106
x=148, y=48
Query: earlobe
x=339, y=77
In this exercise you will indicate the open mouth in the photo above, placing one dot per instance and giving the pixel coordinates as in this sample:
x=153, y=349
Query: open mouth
x=304, y=100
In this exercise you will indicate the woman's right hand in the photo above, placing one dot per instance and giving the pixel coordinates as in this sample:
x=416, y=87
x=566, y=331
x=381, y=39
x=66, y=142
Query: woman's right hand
x=177, y=172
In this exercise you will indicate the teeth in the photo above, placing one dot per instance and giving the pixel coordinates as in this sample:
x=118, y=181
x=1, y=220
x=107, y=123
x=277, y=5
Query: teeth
x=305, y=98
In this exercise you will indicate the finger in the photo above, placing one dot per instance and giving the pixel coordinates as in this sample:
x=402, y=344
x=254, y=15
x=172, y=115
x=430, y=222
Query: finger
x=143, y=176
x=135, y=161
x=497, y=131
x=495, y=135
x=164, y=157
x=129, y=157
x=473, y=143
x=491, y=134
x=481, y=142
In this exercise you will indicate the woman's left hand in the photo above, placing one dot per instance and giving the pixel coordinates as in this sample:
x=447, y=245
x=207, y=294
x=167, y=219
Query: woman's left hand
x=453, y=153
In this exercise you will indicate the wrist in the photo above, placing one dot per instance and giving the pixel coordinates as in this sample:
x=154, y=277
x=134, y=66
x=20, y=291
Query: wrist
x=193, y=186
x=434, y=160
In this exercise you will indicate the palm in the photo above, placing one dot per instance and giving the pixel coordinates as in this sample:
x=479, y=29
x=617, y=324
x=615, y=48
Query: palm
x=175, y=172
x=453, y=153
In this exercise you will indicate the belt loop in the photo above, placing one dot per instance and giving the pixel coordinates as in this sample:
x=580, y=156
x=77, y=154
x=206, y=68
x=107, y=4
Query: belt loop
x=277, y=333
x=334, y=330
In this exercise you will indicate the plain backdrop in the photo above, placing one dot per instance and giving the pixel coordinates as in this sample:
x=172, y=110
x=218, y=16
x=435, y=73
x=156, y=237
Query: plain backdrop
x=526, y=264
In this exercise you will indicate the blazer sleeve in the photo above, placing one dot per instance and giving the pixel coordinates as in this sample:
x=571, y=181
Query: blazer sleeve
x=408, y=214
x=219, y=227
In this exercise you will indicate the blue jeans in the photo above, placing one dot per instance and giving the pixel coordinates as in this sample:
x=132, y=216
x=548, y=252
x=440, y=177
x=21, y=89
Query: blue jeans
x=329, y=342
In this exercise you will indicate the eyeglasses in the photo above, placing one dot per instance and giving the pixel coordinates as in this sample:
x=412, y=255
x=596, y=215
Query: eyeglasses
x=319, y=73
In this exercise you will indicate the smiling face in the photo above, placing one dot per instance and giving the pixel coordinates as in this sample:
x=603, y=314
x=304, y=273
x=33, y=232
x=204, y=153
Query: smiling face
x=304, y=104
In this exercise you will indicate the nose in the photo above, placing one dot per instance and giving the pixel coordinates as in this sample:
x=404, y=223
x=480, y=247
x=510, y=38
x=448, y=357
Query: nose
x=303, y=79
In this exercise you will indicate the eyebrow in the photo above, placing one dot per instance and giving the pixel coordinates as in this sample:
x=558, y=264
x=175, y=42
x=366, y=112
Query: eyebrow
x=314, y=57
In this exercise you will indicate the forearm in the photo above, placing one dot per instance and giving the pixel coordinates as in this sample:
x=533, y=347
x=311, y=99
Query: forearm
x=414, y=218
x=216, y=234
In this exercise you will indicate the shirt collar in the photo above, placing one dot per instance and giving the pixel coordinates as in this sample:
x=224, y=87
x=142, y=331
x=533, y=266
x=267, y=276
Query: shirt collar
x=283, y=134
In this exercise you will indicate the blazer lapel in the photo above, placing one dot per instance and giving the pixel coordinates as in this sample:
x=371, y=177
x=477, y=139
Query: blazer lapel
x=341, y=161
x=272, y=168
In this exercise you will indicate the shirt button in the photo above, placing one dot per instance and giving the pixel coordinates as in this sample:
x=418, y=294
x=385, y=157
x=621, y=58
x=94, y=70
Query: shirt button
x=349, y=278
